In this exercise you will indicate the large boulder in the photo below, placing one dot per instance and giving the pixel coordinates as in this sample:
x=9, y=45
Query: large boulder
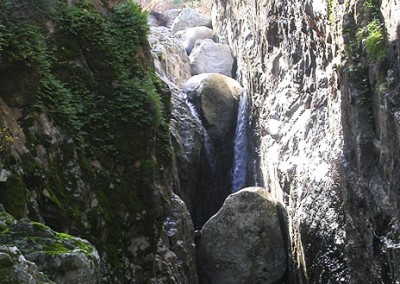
x=190, y=18
x=190, y=36
x=216, y=98
x=173, y=13
x=243, y=242
x=210, y=57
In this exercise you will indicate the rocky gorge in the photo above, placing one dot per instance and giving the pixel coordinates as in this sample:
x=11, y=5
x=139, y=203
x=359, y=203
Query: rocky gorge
x=266, y=151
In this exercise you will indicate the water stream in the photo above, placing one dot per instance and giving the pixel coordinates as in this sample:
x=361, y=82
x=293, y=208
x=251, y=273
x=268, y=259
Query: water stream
x=240, y=145
x=208, y=145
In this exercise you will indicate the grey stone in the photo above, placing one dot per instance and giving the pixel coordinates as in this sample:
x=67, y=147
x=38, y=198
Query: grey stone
x=170, y=59
x=62, y=257
x=190, y=36
x=210, y=57
x=216, y=98
x=190, y=18
x=243, y=242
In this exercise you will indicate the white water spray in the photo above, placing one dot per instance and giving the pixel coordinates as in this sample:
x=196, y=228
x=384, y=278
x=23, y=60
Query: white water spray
x=240, y=146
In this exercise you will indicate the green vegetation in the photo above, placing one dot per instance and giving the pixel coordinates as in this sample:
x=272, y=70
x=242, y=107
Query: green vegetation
x=13, y=195
x=86, y=79
x=370, y=37
x=374, y=41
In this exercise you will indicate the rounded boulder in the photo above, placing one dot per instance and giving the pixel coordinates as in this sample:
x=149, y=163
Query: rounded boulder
x=190, y=36
x=215, y=97
x=210, y=57
x=243, y=242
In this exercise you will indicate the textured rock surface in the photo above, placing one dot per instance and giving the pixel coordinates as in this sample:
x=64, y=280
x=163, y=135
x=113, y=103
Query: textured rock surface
x=216, y=98
x=211, y=57
x=170, y=59
x=85, y=148
x=326, y=111
x=243, y=242
x=175, y=260
x=190, y=18
x=188, y=134
x=63, y=258
x=190, y=36
x=14, y=268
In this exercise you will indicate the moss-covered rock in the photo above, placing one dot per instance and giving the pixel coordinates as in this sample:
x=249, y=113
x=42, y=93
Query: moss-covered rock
x=62, y=257
x=95, y=154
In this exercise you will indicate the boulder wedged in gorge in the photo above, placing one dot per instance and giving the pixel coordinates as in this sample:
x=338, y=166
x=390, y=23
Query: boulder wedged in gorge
x=243, y=242
x=216, y=98
x=190, y=18
x=208, y=56
x=190, y=36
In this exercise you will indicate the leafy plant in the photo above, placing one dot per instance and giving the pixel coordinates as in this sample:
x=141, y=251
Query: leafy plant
x=375, y=41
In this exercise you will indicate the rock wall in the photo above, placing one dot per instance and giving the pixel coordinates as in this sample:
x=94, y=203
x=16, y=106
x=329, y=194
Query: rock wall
x=323, y=80
x=84, y=142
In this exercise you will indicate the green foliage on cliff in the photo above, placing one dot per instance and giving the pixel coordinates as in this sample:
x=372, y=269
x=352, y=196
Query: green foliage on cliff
x=87, y=96
x=370, y=34
x=372, y=37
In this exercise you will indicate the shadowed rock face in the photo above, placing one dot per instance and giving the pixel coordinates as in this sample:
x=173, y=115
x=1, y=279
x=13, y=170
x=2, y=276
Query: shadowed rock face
x=327, y=122
x=243, y=242
x=85, y=145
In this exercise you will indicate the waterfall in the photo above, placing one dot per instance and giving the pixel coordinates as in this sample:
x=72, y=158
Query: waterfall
x=240, y=145
x=209, y=147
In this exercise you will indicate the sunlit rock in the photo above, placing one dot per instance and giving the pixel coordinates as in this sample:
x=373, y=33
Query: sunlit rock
x=190, y=18
x=243, y=242
x=190, y=36
x=216, y=98
x=208, y=56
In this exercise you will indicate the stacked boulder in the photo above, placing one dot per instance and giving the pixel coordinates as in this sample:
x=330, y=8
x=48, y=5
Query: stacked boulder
x=243, y=242
x=183, y=46
x=195, y=32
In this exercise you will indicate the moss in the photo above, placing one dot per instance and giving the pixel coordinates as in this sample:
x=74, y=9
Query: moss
x=40, y=226
x=96, y=88
x=83, y=246
x=375, y=41
x=5, y=260
x=13, y=196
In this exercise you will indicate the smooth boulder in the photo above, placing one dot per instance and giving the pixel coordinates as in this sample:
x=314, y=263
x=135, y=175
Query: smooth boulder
x=216, y=99
x=243, y=242
x=210, y=57
x=190, y=36
x=190, y=18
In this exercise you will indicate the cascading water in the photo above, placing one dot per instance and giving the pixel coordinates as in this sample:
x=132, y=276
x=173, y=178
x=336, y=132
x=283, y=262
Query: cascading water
x=210, y=156
x=240, y=145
